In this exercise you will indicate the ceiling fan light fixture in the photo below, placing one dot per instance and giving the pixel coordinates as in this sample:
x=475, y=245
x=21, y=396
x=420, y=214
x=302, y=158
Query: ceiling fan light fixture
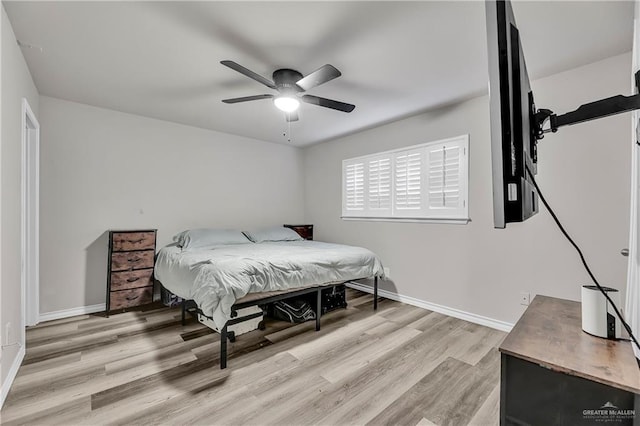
x=286, y=103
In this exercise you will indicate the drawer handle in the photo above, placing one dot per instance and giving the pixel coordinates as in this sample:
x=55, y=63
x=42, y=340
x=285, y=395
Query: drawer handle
x=132, y=297
x=135, y=259
x=136, y=241
x=130, y=280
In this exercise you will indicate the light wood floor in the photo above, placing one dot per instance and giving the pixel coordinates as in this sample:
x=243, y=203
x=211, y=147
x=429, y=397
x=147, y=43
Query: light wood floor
x=401, y=365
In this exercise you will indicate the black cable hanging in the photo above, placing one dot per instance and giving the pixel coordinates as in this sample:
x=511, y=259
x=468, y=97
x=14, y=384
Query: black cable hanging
x=584, y=262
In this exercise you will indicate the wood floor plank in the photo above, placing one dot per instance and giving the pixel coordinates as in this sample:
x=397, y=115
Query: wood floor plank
x=359, y=398
x=485, y=339
x=347, y=331
x=53, y=323
x=74, y=331
x=382, y=304
x=383, y=329
x=365, y=356
x=24, y=391
x=185, y=404
x=176, y=356
x=33, y=333
x=243, y=383
x=66, y=347
x=58, y=415
x=406, y=314
x=289, y=379
x=63, y=343
x=86, y=383
x=471, y=396
x=145, y=367
x=395, y=373
x=178, y=377
x=308, y=378
x=425, y=422
x=411, y=407
x=133, y=345
x=46, y=365
x=291, y=392
x=489, y=412
x=432, y=321
x=123, y=350
x=450, y=395
x=360, y=300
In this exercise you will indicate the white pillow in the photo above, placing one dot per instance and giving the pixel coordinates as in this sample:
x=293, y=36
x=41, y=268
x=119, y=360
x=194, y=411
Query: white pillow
x=204, y=237
x=276, y=233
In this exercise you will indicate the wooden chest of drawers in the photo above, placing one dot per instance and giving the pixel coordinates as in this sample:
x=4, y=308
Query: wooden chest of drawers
x=130, y=273
x=305, y=231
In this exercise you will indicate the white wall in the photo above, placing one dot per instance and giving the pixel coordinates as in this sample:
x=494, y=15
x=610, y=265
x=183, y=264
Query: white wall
x=16, y=84
x=583, y=172
x=102, y=169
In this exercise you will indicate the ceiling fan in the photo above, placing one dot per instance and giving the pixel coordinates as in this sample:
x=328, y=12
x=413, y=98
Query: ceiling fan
x=291, y=85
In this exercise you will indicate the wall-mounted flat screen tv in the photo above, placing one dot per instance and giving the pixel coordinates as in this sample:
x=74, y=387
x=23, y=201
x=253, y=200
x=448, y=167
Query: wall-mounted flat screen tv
x=513, y=141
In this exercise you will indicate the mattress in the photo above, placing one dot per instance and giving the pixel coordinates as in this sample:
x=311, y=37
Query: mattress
x=217, y=276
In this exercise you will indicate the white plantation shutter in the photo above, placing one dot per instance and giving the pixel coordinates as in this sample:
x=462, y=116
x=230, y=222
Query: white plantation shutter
x=446, y=195
x=379, y=185
x=353, y=187
x=427, y=181
x=407, y=184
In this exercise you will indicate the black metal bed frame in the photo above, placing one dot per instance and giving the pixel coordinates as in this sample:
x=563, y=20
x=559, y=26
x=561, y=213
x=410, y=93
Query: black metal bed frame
x=191, y=307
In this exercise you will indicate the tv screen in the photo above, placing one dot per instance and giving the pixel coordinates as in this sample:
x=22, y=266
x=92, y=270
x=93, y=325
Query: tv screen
x=512, y=109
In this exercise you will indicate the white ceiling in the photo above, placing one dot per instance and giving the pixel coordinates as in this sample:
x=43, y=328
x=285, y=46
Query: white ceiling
x=162, y=59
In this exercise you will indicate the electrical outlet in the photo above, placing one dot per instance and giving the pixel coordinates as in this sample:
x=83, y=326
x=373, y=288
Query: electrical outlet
x=387, y=272
x=525, y=298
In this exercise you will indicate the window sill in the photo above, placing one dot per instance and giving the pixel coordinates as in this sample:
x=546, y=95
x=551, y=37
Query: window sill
x=408, y=220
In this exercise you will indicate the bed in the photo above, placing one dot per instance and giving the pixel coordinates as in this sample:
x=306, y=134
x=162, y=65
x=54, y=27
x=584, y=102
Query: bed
x=224, y=271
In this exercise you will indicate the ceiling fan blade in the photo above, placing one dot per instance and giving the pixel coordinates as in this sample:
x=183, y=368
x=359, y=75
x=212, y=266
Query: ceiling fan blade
x=328, y=103
x=246, y=98
x=242, y=70
x=291, y=116
x=320, y=76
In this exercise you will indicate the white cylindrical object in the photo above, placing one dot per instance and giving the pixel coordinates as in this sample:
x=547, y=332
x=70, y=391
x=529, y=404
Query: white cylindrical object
x=598, y=317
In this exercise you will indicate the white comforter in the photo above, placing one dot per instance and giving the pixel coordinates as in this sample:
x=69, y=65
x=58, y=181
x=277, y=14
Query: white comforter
x=216, y=277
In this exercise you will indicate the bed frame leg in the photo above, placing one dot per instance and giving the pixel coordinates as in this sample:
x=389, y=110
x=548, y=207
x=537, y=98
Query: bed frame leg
x=318, y=308
x=184, y=310
x=375, y=293
x=223, y=348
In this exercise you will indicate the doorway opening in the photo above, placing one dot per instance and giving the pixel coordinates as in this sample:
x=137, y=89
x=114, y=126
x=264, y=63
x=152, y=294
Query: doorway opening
x=30, y=218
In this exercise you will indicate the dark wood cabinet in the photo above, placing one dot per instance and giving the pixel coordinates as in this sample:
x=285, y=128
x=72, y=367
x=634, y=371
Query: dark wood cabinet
x=305, y=231
x=553, y=373
x=130, y=270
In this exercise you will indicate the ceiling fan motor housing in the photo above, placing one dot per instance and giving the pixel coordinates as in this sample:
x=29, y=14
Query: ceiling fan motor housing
x=285, y=80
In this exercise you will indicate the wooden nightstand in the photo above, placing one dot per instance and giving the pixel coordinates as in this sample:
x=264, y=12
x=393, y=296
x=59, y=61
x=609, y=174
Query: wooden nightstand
x=305, y=231
x=552, y=372
x=131, y=262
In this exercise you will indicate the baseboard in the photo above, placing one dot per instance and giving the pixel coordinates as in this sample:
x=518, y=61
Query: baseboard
x=66, y=313
x=13, y=372
x=452, y=312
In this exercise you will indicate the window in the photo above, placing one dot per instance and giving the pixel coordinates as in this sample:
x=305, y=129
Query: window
x=354, y=187
x=421, y=182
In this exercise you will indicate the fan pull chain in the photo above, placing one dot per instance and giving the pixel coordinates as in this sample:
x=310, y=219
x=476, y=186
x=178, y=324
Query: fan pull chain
x=287, y=130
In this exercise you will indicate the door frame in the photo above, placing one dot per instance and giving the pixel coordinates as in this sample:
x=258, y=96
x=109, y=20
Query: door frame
x=30, y=218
